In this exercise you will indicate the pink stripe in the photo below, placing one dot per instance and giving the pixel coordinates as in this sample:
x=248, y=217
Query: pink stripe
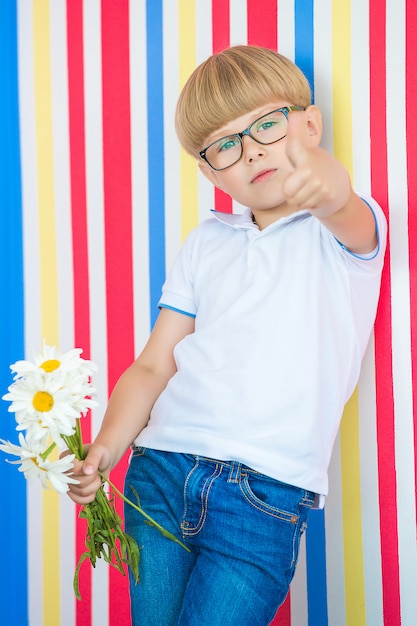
x=118, y=231
x=221, y=40
x=383, y=332
x=262, y=23
x=283, y=617
x=80, y=247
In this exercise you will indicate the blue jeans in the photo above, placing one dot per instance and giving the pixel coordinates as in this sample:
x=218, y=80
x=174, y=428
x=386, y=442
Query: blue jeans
x=243, y=529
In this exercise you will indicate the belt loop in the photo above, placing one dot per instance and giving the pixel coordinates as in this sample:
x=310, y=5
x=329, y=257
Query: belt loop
x=235, y=472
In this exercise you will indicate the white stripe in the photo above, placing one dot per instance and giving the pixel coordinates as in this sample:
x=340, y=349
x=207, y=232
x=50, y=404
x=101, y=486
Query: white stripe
x=139, y=147
x=360, y=96
x=204, y=50
x=286, y=29
x=61, y=164
x=333, y=510
x=369, y=490
x=299, y=604
x=96, y=247
x=238, y=35
x=401, y=341
x=31, y=281
x=238, y=22
x=335, y=568
x=29, y=177
x=323, y=68
x=60, y=124
x=366, y=387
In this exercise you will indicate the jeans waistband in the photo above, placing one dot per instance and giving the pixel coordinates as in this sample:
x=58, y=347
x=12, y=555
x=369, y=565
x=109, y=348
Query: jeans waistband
x=236, y=468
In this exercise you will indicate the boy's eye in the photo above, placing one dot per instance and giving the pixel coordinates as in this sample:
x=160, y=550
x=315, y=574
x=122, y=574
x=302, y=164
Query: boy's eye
x=228, y=143
x=269, y=124
x=266, y=125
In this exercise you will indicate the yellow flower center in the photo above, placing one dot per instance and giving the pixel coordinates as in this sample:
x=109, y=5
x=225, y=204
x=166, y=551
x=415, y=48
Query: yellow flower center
x=42, y=401
x=50, y=365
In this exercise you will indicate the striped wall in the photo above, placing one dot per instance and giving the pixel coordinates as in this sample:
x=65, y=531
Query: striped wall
x=95, y=200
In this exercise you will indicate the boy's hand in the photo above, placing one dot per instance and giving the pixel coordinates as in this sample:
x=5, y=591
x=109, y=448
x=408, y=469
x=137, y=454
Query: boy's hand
x=87, y=473
x=318, y=182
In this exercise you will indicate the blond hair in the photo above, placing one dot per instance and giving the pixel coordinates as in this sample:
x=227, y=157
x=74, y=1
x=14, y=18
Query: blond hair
x=230, y=84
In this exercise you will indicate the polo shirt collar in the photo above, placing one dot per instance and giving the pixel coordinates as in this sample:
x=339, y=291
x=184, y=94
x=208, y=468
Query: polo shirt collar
x=244, y=220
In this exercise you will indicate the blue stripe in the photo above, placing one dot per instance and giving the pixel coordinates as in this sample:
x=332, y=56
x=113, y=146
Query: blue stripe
x=316, y=569
x=13, y=588
x=316, y=533
x=304, y=39
x=155, y=101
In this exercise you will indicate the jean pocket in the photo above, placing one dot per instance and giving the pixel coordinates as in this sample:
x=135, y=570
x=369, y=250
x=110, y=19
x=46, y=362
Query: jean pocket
x=272, y=497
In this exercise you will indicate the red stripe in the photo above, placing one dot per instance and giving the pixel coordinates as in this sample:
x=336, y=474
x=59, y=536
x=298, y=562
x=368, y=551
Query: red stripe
x=383, y=332
x=79, y=245
x=411, y=99
x=283, y=617
x=220, y=15
x=262, y=23
x=220, y=40
x=118, y=231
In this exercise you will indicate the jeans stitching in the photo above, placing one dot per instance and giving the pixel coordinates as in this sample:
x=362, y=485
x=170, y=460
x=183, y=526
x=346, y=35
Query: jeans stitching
x=263, y=507
x=187, y=530
x=298, y=531
x=138, y=451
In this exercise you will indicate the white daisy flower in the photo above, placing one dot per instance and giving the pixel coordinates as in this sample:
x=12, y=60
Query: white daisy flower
x=43, y=404
x=34, y=466
x=82, y=394
x=51, y=360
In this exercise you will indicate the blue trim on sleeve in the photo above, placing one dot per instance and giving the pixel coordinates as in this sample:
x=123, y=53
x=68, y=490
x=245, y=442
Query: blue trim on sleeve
x=173, y=308
x=364, y=257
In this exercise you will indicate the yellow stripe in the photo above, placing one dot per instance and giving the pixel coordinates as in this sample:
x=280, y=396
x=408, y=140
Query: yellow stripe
x=352, y=515
x=350, y=444
x=48, y=281
x=341, y=78
x=188, y=166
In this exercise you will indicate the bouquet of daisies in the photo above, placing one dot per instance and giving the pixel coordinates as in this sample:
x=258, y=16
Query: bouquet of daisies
x=49, y=397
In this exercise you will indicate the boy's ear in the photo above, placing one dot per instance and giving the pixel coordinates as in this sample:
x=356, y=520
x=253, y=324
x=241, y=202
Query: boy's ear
x=314, y=125
x=209, y=173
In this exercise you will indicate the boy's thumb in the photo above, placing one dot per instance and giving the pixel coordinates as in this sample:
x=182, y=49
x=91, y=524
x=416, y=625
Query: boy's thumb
x=295, y=145
x=295, y=150
x=93, y=460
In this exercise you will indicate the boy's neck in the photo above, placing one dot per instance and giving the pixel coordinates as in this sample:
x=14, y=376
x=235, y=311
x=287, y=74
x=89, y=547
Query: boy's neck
x=265, y=217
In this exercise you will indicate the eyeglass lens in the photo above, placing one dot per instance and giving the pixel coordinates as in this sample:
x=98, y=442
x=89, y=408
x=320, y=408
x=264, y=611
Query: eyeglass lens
x=265, y=130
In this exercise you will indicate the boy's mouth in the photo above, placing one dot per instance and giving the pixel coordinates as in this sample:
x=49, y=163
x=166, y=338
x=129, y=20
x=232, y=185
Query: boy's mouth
x=263, y=175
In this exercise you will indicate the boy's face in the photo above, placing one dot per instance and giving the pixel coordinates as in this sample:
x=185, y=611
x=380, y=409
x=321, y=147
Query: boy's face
x=256, y=180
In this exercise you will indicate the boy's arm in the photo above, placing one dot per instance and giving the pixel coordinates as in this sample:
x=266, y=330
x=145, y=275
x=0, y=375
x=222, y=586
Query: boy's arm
x=321, y=184
x=353, y=225
x=131, y=402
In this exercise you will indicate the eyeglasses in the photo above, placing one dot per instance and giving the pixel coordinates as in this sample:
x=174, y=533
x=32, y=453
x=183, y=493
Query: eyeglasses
x=269, y=128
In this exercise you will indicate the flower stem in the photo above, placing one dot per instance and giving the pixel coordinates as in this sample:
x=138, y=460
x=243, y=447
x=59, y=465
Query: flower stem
x=48, y=451
x=161, y=529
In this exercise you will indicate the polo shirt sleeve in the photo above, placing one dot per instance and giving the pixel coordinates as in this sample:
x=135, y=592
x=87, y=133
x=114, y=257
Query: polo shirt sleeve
x=364, y=273
x=177, y=291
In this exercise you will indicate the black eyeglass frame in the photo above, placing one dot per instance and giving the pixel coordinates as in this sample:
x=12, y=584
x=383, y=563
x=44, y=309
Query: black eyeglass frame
x=285, y=110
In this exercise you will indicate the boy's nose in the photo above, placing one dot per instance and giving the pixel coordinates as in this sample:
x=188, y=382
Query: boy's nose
x=252, y=149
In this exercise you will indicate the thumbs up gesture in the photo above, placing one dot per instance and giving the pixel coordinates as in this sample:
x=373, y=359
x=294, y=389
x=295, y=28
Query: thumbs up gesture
x=318, y=181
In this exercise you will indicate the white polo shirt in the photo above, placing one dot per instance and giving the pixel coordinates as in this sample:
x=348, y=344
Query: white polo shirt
x=282, y=320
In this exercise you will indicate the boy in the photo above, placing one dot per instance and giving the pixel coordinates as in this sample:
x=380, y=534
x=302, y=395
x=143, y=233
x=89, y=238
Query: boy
x=234, y=404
